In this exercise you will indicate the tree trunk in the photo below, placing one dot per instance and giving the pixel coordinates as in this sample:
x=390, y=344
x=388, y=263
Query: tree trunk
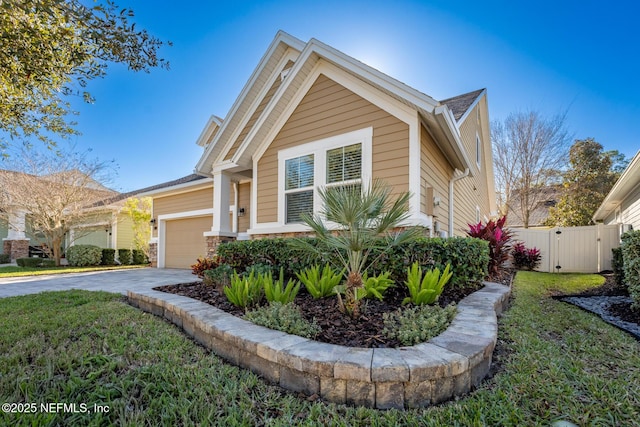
x=56, y=242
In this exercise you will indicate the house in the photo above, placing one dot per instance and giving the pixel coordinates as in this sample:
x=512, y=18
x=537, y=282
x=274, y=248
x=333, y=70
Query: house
x=101, y=223
x=543, y=199
x=622, y=205
x=311, y=116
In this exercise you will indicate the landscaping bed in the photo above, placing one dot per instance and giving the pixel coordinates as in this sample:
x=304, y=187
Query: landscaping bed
x=337, y=327
x=611, y=301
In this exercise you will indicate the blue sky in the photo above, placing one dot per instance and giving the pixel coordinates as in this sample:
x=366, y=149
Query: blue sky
x=578, y=56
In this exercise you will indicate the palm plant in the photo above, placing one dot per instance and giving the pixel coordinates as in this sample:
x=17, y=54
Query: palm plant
x=351, y=224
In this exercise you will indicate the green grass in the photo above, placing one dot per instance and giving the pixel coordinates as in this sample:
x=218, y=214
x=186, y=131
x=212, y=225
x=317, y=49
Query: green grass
x=86, y=347
x=14, y=271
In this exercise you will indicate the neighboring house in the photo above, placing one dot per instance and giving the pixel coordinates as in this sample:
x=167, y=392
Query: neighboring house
x=622, y=205
x=546, y=198
x=104, y=225
x=311, y=116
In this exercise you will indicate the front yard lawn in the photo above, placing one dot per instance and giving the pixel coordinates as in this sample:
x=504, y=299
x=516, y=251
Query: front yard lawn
x=14, y=271
x=557, y=362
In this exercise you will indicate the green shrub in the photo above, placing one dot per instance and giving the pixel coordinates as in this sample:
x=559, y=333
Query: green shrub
x=469, y=257
x=48, y=263
x=138, y=257
x=427, y=289
x=320, y=284
x=29, y=262
x=219, y=276
x=84, y=255
x=108, y=256
x=418, y=324
x=276, y=291
x=124, y=256
x=244, y=292
x=284, y=317
x=259, y=268
x=617, y=264
x=631, y=258
x=277, y=253
x=5, y=258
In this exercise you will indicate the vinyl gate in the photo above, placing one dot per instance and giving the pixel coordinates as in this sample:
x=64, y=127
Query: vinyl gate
x=572, y=249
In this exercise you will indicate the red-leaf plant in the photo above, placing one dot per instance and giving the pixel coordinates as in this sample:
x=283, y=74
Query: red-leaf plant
x=499, y=239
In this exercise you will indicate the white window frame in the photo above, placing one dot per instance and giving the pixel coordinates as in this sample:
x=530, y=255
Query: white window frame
x=319, y=150
x=298, y=189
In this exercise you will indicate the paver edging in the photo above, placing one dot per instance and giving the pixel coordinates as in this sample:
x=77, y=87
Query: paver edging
x=448, y=365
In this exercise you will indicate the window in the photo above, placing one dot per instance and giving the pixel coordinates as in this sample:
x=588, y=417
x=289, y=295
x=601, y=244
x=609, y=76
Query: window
x=339, y=161
x=344, y=164
x=478, y=150
x=298, y=187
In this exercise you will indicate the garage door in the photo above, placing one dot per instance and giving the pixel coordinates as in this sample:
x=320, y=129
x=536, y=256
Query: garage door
x=184, y=241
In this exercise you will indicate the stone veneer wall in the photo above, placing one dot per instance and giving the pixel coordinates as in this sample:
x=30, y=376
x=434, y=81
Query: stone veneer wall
x=153, y=254
x=17, y=248
x=214, y=241
x=449, y=365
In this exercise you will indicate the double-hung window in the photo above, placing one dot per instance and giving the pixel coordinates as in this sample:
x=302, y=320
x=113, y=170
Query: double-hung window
x=334, y=162
x=298, y=187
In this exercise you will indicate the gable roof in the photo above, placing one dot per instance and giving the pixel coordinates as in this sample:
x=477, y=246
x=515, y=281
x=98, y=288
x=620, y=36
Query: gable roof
x=148, y=191
x=442, y=117
x=629, y=180
x=460, y=104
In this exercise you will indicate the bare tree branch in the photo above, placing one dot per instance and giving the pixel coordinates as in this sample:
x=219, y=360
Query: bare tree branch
x=529, y=152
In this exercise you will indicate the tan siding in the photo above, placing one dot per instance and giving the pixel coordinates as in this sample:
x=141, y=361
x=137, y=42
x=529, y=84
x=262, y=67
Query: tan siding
x=435, y=172
x=329, y=109
x=474, y=191
x=190, y=201
x=244, y=201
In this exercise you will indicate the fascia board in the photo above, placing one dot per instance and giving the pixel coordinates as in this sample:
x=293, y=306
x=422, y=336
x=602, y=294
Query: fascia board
x=212, y=124
x=400, y=89
x=281, y=37
x=315, y=50
x=626, y=183
x=180, y=188
x=447, y=123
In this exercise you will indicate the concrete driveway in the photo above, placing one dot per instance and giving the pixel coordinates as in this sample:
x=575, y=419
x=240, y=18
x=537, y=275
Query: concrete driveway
x=119, y=281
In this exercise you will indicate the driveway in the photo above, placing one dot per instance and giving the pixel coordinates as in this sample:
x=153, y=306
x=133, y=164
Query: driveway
x=119, y=281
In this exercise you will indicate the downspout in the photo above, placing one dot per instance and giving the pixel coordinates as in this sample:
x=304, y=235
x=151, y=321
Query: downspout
x=457, y=175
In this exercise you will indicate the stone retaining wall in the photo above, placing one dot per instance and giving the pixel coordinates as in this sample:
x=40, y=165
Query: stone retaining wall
x=448, y=365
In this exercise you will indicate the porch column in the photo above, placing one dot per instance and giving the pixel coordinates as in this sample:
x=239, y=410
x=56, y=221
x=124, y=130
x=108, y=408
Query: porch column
x=221, y=230
x=221, y=204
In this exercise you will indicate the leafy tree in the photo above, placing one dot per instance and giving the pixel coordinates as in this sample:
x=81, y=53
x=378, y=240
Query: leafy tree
x=139, y=211
x=57, y=192
x=50, y=49
x=361, y=217
x=591, y=175
x=529, y=150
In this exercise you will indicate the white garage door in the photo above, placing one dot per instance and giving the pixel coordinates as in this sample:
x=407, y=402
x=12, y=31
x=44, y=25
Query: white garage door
x=184, y=241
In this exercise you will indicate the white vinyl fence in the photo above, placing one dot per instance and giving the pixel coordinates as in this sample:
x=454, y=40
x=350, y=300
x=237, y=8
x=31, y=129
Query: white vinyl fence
x=572, y=249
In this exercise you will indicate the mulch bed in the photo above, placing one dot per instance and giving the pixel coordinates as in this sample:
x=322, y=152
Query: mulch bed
x=610, y=288
x=337, y=328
